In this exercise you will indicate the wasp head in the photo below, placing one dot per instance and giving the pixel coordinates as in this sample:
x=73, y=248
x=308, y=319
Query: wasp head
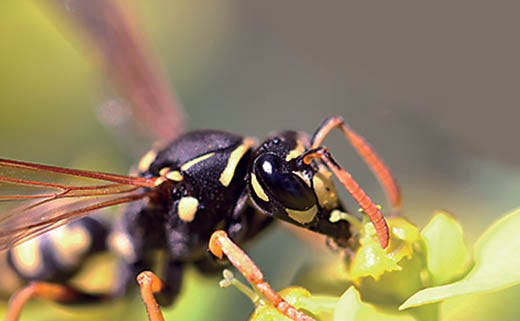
x=282, y=185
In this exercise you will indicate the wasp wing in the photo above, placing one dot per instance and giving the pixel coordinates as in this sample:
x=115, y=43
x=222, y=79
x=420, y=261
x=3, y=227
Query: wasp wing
x=37, y=198
x=129, y=63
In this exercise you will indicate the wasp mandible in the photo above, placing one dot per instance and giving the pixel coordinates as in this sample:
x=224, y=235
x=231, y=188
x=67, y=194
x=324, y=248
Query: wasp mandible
x=198, y=190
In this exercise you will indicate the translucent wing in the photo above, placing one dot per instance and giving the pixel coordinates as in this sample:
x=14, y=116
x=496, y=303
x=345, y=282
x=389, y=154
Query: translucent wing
x=37, y=198
x=129, y=63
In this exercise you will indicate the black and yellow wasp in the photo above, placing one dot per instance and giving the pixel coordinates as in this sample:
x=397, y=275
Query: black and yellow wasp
x=197, y=190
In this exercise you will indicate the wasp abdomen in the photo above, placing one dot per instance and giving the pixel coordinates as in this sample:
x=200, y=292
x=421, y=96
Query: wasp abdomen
x=57, y=255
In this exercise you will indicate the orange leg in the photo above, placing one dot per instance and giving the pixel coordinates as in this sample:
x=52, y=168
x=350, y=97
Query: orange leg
x=149, y=283
x=220, y=244
x=374, y=162
x=357, y=193
x=49, y=291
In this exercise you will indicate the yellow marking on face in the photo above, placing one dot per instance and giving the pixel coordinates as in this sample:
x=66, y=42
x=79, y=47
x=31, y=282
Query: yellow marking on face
x=325, y=189
x=259, y=191
x=187, y=208
x=194, y=161
x=337, y=215
x=174, y=176
x=159, y=181
x=297, y=151
x=164, y=171
x=303, y=217
x=27, y=257
x=70, y=244
x=120, y=244
x=146, y=160
x=304, y=177
x=234, y=158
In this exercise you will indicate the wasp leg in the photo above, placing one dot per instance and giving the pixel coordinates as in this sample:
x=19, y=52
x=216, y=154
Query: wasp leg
x=132, y=239
x=149, y=283
x=126, y=275
x=238, y=230
x=49, y=291
x=173, y=273
x=243, y=225
x=357, y=193
x=209, y=265
x=374, y=162
x=220, y=244
x=246, y=222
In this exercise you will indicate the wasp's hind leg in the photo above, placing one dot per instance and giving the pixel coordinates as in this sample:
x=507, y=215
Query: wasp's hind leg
x=220, y=245
x=58, y=293
x=49, y=261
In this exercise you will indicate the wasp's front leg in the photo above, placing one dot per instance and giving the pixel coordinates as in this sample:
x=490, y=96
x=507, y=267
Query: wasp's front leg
x=220, y=244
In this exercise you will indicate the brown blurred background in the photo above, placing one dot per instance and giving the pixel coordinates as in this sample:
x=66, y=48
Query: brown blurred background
x=434, y=86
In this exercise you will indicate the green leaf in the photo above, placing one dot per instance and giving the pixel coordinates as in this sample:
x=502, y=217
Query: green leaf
x=447, y=256
x=497, y=265
x=351, y=308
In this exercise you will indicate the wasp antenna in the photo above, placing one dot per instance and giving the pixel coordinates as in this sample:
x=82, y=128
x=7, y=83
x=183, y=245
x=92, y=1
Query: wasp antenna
x=367, y=153
x=357, y=193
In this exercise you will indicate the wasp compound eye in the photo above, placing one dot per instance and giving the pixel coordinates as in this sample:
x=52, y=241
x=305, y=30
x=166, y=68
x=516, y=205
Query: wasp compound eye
x=288, y=188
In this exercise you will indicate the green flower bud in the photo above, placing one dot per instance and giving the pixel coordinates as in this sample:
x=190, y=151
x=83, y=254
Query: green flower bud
x=389, y=276
x=267, y=312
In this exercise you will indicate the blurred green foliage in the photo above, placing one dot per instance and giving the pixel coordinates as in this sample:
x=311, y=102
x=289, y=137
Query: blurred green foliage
x=45, y=103
x=408, y=271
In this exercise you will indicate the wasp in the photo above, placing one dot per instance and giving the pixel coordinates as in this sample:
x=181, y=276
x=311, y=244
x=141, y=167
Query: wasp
x=198, y=191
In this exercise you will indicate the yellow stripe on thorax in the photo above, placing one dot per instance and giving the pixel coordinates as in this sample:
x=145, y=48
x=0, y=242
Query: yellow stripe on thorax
x=234, y=158
x=196, y=160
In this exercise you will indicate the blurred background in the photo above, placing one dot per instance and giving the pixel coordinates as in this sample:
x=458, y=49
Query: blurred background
x=433, y=86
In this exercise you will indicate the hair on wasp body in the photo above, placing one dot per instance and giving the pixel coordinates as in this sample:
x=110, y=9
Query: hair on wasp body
x=197, y=190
